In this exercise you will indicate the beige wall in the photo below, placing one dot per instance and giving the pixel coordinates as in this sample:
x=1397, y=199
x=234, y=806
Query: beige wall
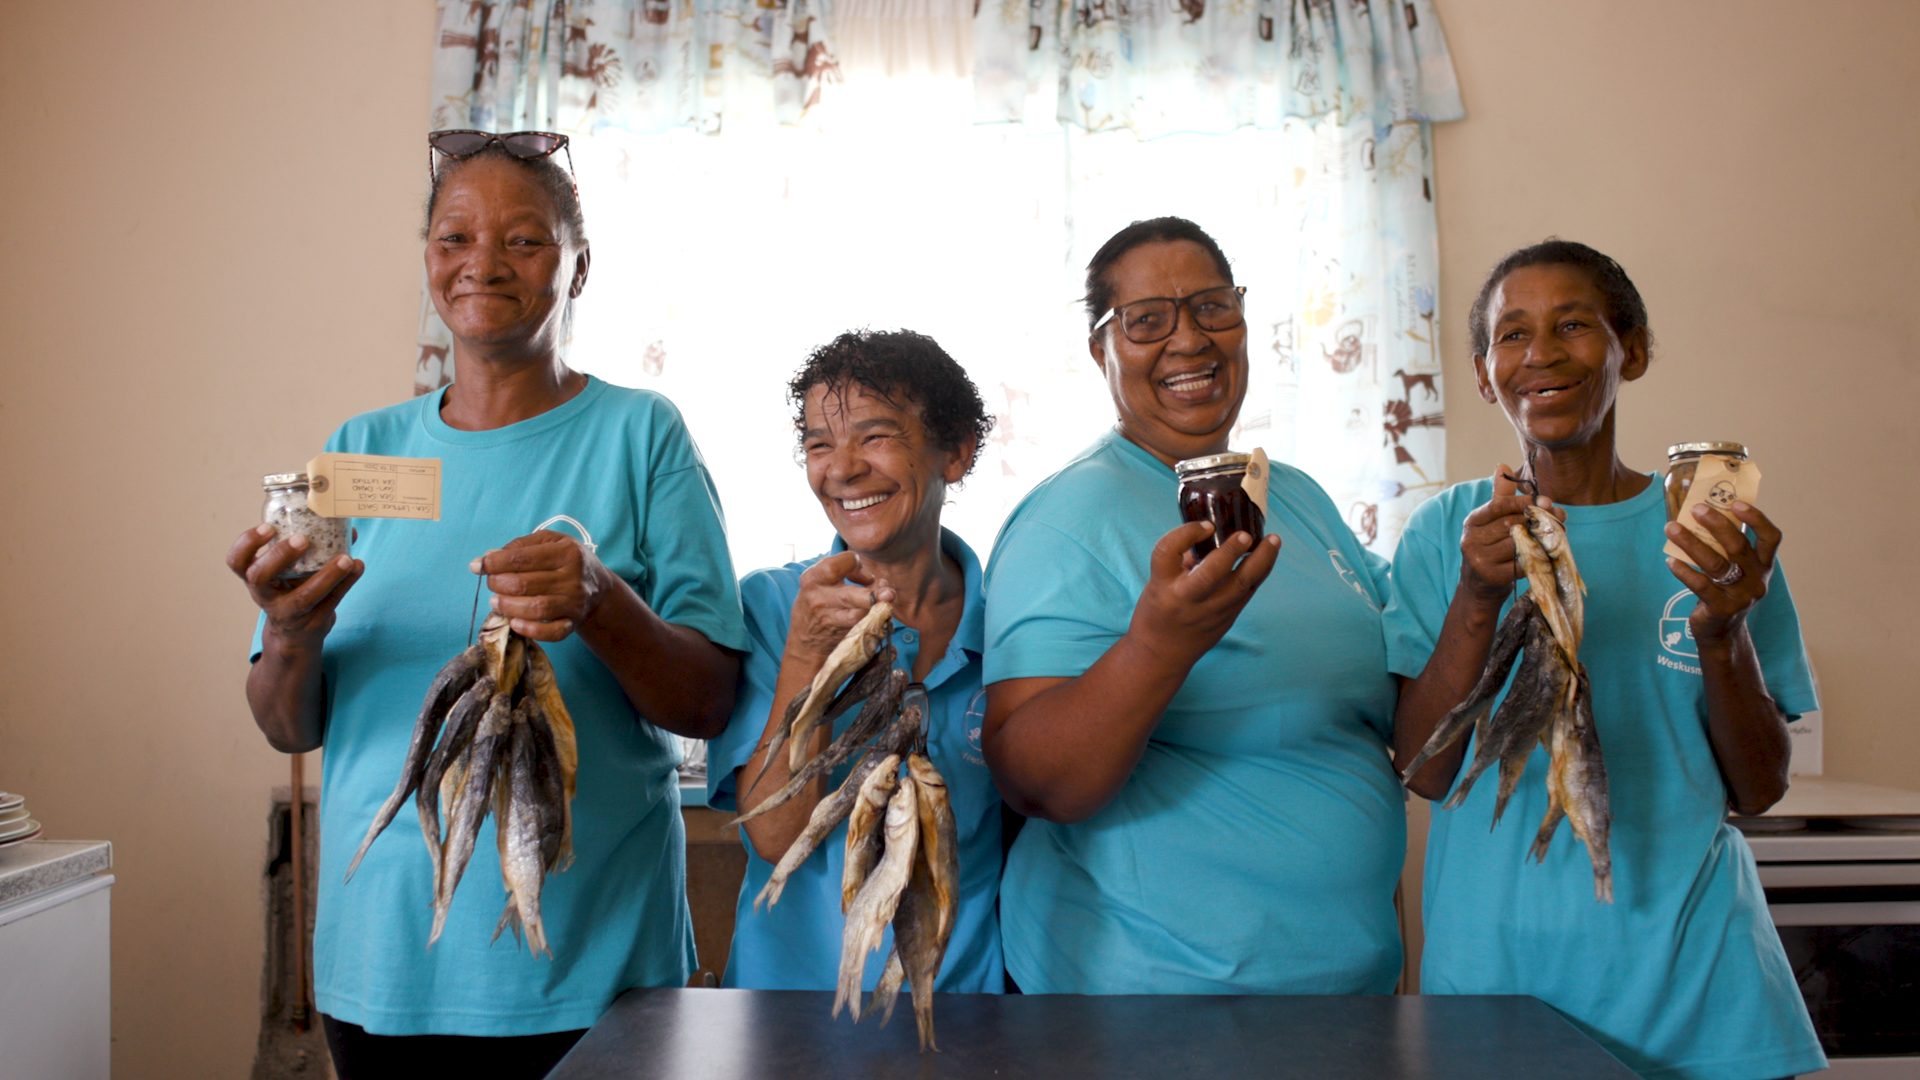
x=208, y=212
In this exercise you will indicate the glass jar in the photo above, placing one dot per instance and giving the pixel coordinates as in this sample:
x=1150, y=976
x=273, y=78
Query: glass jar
x=286, y=510
x=1210, y=490
x=1683, y=459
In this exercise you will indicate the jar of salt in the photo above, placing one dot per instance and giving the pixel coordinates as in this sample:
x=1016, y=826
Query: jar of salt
x=287, y=511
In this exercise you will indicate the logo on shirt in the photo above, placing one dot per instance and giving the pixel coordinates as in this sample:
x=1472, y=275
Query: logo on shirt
x=975, y=722
x=1676, y=634
x=1346, y=572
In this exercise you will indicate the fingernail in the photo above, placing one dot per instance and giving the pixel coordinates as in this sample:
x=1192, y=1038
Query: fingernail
x=1701, y=511
x=1739, y=505
x=343, y=563
x=1673, y=529
x=475, y=564
x=296, y=541
x=493, y=603
x=263, y=529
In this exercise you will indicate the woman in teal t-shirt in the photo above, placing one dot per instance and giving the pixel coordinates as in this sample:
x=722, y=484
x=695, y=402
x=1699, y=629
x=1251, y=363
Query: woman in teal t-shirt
x=1693, y=681
x=887, y=422
x=1201, y=748
x=635, y=597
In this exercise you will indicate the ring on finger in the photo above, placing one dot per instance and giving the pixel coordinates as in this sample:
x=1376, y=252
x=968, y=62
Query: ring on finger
x=1733, y=574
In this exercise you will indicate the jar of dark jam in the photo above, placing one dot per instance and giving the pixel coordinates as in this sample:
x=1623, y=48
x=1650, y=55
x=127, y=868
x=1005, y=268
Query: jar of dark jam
x=1683, y=459
x=1210, y=490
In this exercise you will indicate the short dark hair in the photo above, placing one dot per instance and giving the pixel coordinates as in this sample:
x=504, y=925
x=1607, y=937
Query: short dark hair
x=1625, y=312
x=547, y=174
x=887, y=363
x=1158, y=230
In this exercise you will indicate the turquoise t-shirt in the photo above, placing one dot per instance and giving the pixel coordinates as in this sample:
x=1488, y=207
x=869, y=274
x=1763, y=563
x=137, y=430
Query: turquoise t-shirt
x=620, y=464
x=795, y=945
x=1683, y=974
x=1256, y=846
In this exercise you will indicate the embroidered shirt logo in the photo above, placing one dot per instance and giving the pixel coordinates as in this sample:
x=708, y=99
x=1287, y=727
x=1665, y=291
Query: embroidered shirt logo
x=1676, y=634
x=1347, y=574
x=975, y=722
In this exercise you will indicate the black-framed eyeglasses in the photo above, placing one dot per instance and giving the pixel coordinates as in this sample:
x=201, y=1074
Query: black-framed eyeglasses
x=525, y=145
x=1154, y=319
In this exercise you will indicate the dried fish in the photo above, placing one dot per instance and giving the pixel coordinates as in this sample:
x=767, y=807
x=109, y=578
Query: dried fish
x=881, y=707
x=879, y=897
x=849, y=656
x=1577, y=789
x=448, y=760
x=453, y=680
x=1472, y=712
x=469, y=806
x=528, y=827
x=873, y=781
x=865, y=837
x=864, y=684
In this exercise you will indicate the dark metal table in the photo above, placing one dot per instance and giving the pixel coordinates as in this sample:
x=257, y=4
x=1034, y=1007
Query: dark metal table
x=787, y=1035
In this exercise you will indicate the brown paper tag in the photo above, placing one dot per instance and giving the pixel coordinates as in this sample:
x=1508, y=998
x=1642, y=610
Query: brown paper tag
x=1254, y=483
x=1717, y=482
x=368, y=485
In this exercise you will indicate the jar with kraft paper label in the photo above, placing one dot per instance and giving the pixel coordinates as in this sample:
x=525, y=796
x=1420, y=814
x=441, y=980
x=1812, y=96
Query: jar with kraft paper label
x=287, y=511
x=1683, y=460
x=1213, y=488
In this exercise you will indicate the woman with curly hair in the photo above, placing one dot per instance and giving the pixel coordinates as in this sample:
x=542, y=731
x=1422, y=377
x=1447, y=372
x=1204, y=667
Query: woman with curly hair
x=887, y=422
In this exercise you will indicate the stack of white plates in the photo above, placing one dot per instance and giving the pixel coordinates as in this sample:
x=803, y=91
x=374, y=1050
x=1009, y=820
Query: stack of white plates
x=15, y=823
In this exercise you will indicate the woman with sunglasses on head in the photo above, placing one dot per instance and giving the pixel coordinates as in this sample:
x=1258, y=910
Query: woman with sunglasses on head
x=887, y=422
x=1201, y=744
x=1681, y=975
x=587, y=512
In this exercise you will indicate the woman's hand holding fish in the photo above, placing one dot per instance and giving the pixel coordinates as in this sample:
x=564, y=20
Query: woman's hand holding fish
x=1488, y=568
x=1745, y=570
x=547, y=583
x=285, y=688
x=549, y=586
x=835, y=593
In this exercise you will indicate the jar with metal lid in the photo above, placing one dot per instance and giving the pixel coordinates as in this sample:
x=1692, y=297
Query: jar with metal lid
x=1211, y=490
x=287, y=511
x=1683, y=459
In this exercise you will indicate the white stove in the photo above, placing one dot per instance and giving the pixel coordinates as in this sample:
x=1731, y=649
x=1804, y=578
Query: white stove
x=1840, y=864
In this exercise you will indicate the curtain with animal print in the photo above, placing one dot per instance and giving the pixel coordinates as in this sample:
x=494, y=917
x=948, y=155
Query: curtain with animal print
x=1298, y=132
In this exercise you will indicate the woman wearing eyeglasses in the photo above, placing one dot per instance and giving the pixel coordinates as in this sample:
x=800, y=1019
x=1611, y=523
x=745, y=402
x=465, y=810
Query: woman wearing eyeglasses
x=887, y=422
x=587, y=512
x=1202, y=745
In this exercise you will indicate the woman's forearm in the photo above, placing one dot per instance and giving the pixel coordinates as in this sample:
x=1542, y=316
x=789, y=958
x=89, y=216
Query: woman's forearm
x=1066, y=746
x=286, y=689
x=773, y=832
x=1466, y=637
x=1746, y=728
x=677, y=679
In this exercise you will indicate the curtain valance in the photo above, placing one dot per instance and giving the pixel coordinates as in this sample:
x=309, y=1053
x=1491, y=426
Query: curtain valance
x=636, y=65
x=1155, y=67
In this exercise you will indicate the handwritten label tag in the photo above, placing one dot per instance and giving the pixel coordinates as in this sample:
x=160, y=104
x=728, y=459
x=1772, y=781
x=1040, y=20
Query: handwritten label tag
x=371, y=486
x=1717, y=482
x=1254, y=483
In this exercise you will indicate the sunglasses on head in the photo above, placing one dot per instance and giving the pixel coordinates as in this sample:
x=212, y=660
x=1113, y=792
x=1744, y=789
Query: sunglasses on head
x=525, y=145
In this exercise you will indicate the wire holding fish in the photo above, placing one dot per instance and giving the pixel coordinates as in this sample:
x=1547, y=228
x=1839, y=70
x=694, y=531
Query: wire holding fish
x=902, y=865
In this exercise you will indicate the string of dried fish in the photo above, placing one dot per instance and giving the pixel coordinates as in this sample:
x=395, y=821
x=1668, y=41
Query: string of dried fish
x=849, y=656
x=1550, y=702
x=506, y=747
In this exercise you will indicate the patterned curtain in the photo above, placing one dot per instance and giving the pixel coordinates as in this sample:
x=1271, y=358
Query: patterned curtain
x=1329, y=218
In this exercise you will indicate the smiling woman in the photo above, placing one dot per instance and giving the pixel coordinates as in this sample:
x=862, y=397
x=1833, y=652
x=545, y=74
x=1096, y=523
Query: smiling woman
x=1166, y=720
x=642, y=618
x=1697, y=983
x=888, y=424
